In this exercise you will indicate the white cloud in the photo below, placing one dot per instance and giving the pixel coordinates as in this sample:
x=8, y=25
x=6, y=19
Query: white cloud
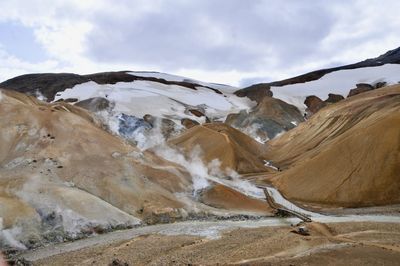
x=224, y=41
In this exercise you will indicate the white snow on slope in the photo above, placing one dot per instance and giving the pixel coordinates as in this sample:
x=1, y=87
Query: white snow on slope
x=169, y=77
x=158, y=75
x=142, y=97
x=338, y=82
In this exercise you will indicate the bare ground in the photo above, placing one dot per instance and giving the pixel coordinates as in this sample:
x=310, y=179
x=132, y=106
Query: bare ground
x=361, y=243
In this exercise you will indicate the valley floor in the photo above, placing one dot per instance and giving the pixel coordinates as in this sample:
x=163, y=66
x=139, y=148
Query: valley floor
x=243, y=243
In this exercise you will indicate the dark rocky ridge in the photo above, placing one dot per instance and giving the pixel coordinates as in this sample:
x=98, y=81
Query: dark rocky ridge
x=48, y=84
x=255, y=93
x=269, y=118
x=95, y=104
x=334, y=98
x=314, y=104
x=390, y=57
x=360, y=88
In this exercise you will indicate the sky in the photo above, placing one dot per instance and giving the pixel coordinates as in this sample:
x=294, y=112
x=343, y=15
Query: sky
x=236, y=42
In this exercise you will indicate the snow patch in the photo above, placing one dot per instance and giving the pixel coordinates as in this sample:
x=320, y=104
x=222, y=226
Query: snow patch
x=338, y=82
x=141, y=97
x=278, y=198
x=270, y=165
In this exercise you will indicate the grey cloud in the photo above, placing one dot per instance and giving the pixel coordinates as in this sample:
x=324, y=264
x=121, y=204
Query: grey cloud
x=187, y=34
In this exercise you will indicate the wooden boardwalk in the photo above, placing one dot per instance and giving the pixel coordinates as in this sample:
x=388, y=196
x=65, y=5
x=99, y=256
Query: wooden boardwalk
x=283, y=210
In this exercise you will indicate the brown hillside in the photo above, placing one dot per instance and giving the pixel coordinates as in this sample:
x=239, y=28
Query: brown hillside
x=231, y=147
x=348, y=154
x=60, y=171
x=223, y=197
x=48, y=149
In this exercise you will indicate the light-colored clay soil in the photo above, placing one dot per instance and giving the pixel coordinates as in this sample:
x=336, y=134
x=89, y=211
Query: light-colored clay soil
x=333, y=244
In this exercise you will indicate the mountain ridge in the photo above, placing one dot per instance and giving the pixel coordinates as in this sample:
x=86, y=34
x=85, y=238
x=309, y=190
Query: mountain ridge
x=390, y=57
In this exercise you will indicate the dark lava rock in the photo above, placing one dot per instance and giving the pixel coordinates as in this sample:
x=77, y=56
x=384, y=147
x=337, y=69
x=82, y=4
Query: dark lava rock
x=68, y=100
x=255, y=92
x=334, y=98
x=199, y=113
x=47, y=84
x=129, y=125
x=269, y=118
x=314, y=104
x=390, y=57
x=95, y=104
x=189, y=123
x=380, y=84
x=196, y=112
x=168, y=127
x=360, y=88
x=117, y=262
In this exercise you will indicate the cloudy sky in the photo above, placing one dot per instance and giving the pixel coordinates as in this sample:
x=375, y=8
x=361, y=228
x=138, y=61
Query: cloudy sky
x=227, y=41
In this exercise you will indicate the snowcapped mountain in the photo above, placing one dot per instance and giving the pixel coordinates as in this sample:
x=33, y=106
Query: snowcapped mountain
x=132, y=103
x=171, y=158
x=171, y=100
x=382, y=70
x=338, y=82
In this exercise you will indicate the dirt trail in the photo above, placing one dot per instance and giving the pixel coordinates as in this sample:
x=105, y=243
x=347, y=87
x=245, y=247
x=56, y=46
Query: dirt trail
x=362, y=243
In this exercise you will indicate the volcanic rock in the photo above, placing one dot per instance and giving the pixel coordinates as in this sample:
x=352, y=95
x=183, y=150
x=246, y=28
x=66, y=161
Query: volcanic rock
x=360, y=88
x=168, y=127
x=268, y=119
x=380, y=84
x=255, y=93
x=334, y=98
x=95, y=104
x=189, y=123
x=199, y=113
x=46, y=84
x=314, y=104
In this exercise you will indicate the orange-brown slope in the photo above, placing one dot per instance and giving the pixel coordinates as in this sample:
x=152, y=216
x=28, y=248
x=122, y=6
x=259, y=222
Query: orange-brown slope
x=56, y=158
x=231, y=147
x=348, y=154
x=220, y=196
x=58, y=155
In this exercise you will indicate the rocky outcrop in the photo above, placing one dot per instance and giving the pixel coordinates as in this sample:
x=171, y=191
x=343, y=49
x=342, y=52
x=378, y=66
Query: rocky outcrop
x=167, y=127
x=380, y=84
x=96, y=104
x=334, y=98
x=45, y=84
x=199, y=113
x=255, y=93
x=314, y=104
x=360, y=88
x=268, y=119
x=189, y=123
